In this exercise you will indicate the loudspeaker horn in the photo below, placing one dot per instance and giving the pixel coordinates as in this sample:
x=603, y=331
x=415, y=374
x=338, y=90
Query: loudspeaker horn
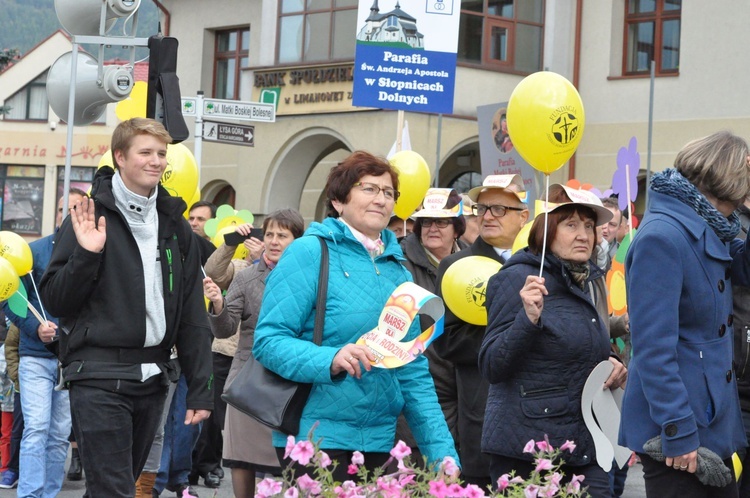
x=91, y=95
x=82, y=17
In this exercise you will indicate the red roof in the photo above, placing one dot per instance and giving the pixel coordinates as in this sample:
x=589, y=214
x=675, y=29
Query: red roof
x=140, y=70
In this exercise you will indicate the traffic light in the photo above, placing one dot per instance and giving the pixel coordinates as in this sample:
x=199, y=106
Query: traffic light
x=163, y=101
x=82, y=77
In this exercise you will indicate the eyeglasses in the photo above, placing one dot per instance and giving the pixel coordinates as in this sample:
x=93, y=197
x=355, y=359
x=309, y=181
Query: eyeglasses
x=372, y=190
x=497, y=210
x=439, y=222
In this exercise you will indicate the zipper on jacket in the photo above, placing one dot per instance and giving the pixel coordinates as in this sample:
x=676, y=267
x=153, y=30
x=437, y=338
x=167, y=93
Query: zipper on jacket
x=543, y=390
x=169, y=266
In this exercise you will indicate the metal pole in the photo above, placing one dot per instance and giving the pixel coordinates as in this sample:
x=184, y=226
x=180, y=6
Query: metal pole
x=435, y=183
x=650, y=127
x=198, y=133
x=71, y=115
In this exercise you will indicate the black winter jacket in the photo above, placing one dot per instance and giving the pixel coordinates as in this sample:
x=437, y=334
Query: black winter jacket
x=99, y=298
x=537, y=371
x=460, y=345
x=425, y=275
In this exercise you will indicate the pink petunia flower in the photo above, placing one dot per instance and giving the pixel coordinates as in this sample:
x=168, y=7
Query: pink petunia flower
x=503, y=482
x=358, y=458
x=400, y=451
x=323, y=459
x=554, y=478
x=474, y=491
x=302, y=452
x=574, y=486
x=544, y=446
x=449, y=466
x=291, y=493
x=543, y=464
x=455, y=490
x=289, y=446
x=529, y=448
x=438, y=489
x=307, y=483
x=352, y=469
x=569, y=446
x=269, y=487
x=531, y=491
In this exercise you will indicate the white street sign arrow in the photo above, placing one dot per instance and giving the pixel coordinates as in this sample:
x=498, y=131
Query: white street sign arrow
x=235, y=109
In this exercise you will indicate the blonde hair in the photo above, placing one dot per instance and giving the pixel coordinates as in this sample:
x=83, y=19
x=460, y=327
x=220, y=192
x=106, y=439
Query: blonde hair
x=122, y=137
x=717, y=165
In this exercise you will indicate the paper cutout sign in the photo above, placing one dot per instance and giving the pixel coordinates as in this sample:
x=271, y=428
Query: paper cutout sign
x=601, y=413
x=404, y=305
x=617, y=302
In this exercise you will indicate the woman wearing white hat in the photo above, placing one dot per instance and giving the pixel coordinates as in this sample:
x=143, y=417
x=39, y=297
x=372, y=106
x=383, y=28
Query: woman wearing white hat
x=437, y=228
x=544, y=337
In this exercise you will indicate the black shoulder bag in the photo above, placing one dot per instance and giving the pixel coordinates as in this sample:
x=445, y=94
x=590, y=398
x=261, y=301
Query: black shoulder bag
x=264, y=395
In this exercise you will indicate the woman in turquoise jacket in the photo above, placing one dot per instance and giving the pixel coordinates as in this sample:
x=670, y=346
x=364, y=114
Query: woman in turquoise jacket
x=681, y=394
x=354, y=405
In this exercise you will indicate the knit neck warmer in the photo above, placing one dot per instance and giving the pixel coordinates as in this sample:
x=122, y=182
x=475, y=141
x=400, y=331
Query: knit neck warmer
x=670, y=182
x=579, y=272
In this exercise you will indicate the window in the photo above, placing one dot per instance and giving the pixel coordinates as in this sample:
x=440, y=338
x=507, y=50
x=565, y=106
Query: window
x=30, y=103
x=23, y=198
x=231, y=55
x=652, y=32
x=466, y=181
x=502, y=34
x=316, y=30
x=81, y=178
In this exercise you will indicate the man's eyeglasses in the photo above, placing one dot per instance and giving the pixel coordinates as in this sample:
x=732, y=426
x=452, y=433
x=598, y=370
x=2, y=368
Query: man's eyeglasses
x=373, y=190
x=497, y=210
x=439, y=222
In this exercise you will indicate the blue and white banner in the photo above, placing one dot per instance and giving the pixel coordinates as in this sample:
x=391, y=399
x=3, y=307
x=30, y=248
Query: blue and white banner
x=406, y=54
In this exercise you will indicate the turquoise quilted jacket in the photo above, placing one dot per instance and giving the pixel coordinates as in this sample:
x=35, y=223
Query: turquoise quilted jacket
x=351, y=414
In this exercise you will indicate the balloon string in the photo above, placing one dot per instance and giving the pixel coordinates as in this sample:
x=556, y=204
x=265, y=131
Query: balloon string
x=546, y=218
x=33, y=284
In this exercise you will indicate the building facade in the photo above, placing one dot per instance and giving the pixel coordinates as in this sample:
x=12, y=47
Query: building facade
x=299, y=54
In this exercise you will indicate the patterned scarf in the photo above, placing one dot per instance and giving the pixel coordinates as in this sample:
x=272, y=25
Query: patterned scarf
x=579, y=272
x=670, y=182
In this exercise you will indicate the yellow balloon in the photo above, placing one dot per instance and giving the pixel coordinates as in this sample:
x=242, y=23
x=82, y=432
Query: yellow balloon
x=106, y=160
x=413, y=181
x=737, y=464
x=181, y=176
x=196, y=197
x=545, y=120
x=464, y=287
x=522, y=239
x=9, y=280
x=135, y=105
x=16, y=251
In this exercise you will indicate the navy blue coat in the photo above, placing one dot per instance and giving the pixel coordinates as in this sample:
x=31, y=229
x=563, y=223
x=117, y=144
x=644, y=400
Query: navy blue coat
x=537, y=371
x=679, y=285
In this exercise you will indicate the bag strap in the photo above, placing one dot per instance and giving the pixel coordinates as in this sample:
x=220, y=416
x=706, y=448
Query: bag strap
x=320, y=304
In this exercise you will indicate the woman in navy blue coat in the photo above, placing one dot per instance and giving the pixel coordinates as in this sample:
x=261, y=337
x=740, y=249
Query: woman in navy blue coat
x=678, y=273
x=544, y=337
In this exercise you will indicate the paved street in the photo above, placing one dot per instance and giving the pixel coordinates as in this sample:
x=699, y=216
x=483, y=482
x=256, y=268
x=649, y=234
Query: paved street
x=633, y=487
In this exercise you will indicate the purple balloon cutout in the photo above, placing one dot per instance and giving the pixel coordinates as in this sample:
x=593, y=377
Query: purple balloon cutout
x=627, y=158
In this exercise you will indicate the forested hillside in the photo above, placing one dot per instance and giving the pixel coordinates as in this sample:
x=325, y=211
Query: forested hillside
x=24, y=23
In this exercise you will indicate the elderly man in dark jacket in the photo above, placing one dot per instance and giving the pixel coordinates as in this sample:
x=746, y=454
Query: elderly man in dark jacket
x=502, y=213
